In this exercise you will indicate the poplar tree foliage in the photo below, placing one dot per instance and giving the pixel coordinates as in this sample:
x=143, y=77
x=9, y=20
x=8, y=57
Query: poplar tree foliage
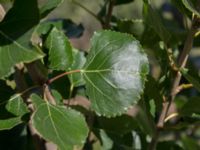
x=129, y=76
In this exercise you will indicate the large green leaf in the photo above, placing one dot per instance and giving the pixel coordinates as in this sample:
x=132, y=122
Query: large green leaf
x=193, y=6
x=60, y=50
x=115, y=72
x=15, y=33
x=15, y=109
x=63, y=126
x=49, y=6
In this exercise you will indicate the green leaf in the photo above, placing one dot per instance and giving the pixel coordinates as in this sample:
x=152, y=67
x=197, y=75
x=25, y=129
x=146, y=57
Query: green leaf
x=135, y=27
x=15, y=110
x=16, y=106
x=189, y=143
x=60, y=50
x=63, y=126
x=15, y=33
x=191, y=107
x=194, y=80
x=36, y=100
x=152, y=19
x=114, y=73
x=193, y=6
x=119, y=125
x=10, y=123
x=79, y=60
x=49, y=6
x=120, y=2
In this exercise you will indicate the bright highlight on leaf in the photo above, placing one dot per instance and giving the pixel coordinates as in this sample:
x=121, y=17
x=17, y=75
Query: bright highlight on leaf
x=115, y=72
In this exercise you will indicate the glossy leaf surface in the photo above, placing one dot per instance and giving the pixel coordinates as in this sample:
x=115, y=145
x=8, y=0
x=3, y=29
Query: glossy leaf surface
x=115, y=72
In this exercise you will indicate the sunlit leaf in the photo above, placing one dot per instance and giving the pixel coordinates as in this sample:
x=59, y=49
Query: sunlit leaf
x=115, y=72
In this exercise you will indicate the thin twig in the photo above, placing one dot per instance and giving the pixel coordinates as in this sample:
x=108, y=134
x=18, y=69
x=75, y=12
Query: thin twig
x=61, y=75
x=109, y=14
x=181, y=64
x=182, y=87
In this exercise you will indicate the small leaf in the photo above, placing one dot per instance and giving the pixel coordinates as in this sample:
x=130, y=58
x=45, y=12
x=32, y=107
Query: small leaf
x=10, y=123
x=79, y=60
x=15, y=33
x=193, y=6
x=16, y=106
x=63, y=126
x=60, y=50
x=49, y=6
x=15, y=109
x=114, y=73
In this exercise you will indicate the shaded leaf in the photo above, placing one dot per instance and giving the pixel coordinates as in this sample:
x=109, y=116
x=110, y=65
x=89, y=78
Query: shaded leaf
x=120, y=2
x=70, y=29
x=190, y=144
x=10, y=123
x=49, y=6
x=193, y=6
x=60, y=50
x=63, y=126
x=135, y=27
x=152, y=18
x=194, y=80
x=116, y=64
x=192, y=106
x=14, y=41
x=118, y=125
x=15, y=109
x=16, y=106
